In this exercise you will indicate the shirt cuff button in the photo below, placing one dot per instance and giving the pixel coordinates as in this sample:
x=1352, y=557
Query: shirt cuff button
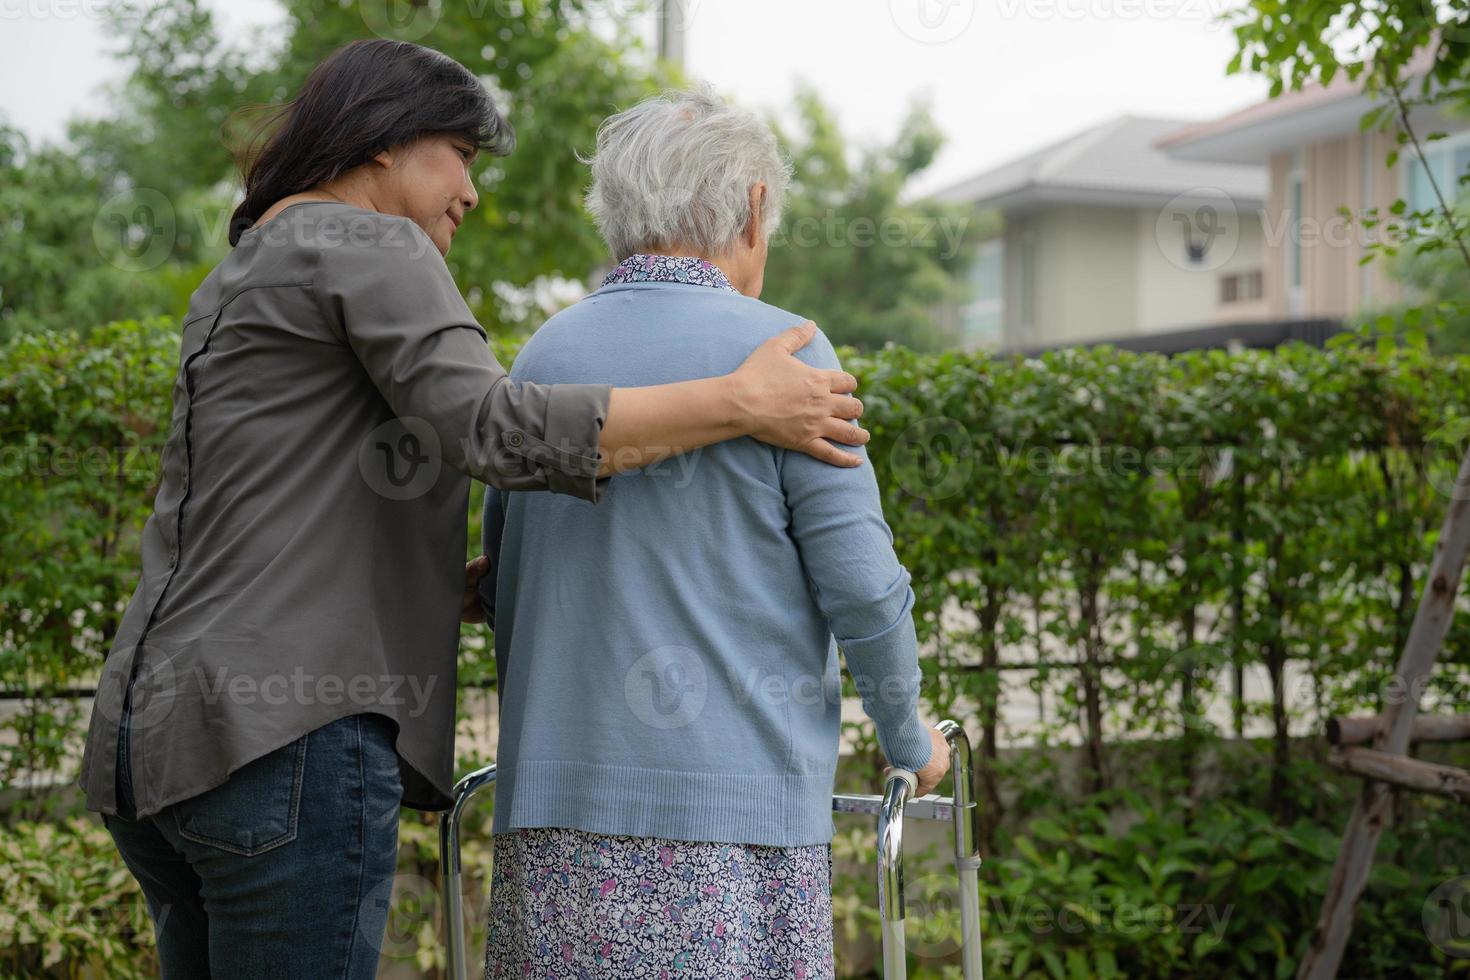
x=513, y=439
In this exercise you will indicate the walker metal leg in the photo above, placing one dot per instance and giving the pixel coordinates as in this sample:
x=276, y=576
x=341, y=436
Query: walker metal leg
x=901, y=785
x=451, y=882
x=962, y=813
x=966, y=817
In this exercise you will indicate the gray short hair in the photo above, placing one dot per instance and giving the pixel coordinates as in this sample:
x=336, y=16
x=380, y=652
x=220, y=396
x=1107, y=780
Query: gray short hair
x=676, y=170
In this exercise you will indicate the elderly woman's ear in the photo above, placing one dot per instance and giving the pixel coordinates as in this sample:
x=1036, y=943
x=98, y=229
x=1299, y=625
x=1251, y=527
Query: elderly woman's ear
x=753, y=228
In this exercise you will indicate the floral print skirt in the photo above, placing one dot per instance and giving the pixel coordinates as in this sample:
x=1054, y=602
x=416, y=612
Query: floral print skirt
x=571, y=905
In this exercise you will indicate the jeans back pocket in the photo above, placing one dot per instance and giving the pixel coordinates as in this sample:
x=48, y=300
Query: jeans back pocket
x=256, y=809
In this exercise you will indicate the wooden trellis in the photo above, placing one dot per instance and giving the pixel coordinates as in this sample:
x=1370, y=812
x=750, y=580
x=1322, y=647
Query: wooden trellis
x=1376, y=748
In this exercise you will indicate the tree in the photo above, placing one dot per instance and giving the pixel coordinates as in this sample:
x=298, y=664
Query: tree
x=192, y=95
x=1437, y=279
x=1408, y=54
x=63, y=261
x=558, y=76
x=871, y=267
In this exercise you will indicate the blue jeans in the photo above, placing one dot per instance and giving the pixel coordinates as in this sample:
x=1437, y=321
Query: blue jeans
x=286, y=870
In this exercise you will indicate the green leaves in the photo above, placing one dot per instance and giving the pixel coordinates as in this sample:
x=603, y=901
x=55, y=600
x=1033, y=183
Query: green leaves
x=868, y=265
x=67, y=903
x=1013, y=487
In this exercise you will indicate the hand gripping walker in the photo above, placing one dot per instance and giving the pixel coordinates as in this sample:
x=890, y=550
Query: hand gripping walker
x=896, y=802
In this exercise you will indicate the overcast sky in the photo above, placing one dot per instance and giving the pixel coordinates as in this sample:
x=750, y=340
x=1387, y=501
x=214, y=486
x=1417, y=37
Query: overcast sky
x=1004, y=76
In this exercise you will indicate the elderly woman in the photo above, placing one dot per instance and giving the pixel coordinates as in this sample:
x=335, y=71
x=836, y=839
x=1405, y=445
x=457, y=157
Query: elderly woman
x=668, y=675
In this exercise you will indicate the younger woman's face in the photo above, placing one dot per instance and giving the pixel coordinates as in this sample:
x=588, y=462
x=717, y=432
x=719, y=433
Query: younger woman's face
x=429, y=183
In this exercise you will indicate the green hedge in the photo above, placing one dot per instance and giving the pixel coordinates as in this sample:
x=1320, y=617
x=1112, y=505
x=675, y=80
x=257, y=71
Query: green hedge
x=1135, y=528
x=1170, y=518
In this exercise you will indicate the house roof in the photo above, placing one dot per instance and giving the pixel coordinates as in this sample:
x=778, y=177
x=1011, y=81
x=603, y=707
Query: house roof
x=1311, y=113
x=1114, y=163
x=1249, y=135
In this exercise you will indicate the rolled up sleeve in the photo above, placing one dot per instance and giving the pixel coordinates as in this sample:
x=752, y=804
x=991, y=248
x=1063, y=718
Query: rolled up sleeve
x=386, y=289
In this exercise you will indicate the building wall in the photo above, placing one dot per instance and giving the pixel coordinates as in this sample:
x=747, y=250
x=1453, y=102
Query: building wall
x=1085, y=274
x=1347, y=171
x=1074, y=273
x=1175, y=291
x=1274, y=232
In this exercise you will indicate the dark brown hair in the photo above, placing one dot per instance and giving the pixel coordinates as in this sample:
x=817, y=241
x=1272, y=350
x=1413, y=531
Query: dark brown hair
x=368, y=96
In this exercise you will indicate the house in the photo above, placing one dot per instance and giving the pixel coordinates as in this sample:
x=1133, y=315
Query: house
x=1105, y=237
x=1318, y=160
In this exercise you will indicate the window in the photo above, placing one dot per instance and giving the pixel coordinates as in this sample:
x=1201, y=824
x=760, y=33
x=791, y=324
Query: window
x=1447, y=159
x=980, y=319
x=1294, y=230
x=1295, y=195
x=1241, y=287
x=1028, y=284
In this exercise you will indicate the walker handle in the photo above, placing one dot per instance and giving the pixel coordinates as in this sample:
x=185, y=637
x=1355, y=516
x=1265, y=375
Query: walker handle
x=907, y=776
x=899, y=786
